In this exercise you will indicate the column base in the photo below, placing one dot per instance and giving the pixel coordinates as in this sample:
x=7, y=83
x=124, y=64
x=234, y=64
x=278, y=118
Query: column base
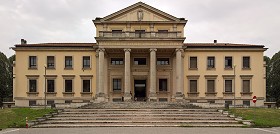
x=179, y=96
x=101, y=97
x=153, y=97
x=127, y=97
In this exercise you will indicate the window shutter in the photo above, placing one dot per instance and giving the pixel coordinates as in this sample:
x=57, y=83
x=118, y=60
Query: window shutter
x=246, y=86
x=210, y=86
x=228, y=85
x=193, y=86
x=193, y=62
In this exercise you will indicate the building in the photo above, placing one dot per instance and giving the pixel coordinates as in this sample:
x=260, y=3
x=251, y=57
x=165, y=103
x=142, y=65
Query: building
x=139, y=55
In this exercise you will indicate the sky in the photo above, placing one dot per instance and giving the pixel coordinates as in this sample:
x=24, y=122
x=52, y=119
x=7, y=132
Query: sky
x=228, y=21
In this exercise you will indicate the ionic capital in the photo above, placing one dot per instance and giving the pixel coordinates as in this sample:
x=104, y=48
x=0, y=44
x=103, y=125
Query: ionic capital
x=100, y=50
x=153, y=49
x=127, y=50
x=179, y=49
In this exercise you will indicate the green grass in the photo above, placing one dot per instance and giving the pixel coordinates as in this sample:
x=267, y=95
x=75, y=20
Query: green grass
x=262, y=117
x=15, y=117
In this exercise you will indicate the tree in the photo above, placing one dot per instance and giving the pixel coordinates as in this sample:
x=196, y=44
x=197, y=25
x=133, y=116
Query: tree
x=274, y=77
x=4, y=77
x=268, y=83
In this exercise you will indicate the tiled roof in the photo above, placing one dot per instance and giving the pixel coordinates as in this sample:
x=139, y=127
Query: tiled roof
x=190, y=45
x=57, y=45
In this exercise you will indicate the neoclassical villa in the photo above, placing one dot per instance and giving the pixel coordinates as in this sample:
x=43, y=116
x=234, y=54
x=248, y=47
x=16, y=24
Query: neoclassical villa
x=139, y=55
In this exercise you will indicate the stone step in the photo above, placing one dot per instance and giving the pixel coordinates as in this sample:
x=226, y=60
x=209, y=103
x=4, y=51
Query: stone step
x=137, y=115
x=139, y=112
x=122, y=110
x=136, y=125
x=141, y=118
x=135, y=121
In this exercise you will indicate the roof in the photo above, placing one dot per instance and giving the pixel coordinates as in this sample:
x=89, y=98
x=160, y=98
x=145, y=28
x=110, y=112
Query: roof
x=220, y=45
x=57, y=45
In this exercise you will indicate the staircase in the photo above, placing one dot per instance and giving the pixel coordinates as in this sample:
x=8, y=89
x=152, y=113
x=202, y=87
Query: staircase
x=139, y=114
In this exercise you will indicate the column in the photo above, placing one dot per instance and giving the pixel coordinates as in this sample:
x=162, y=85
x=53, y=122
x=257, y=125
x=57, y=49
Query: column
x=127, y=82
x=179, y=82
x=100, y=91
x=153, y=75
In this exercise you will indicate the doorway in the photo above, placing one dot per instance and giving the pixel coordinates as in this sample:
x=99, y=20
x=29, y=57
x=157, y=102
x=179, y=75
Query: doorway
x=140, y=90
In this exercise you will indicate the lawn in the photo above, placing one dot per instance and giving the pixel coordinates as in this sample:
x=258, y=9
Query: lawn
x=262, y=117
x=15, y=117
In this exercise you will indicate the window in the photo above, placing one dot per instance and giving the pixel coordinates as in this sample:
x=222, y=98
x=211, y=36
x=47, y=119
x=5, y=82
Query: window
x=50, y=102
x=32, y=102
x=193, y=86
x=68, y=86
x=162, y=61
x=210, y=86
x=193, y=62
x=68, y=62
x=86, y=62
x=86, y=85
x=162, y=33
x=246, y=62
x=210, y=62
x=117, y=61
x=50, y=85
x=116, y=33
x=50, y=61
x=32, y=85
x=228, y=85
x=117, y=85
x=228, y=102
x=32, y=62
x=139, y=33
x=162, y=84
x=246, y=103
x=228, y=62
x=140, y=61
x=246, y=86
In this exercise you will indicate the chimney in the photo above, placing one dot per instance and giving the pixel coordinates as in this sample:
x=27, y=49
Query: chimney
x=215, y=41
x=23, y=41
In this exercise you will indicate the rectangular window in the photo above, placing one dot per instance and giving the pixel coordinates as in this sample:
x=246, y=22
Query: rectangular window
x=210, y=86
x=246, y=86
x=32, y=85
x=116, y=33
x=162, y=84
x=86, y=85
x=68, y=62
x=162, y=61
x=117, y=85
x=228, y=85
x=162, y=33
x=210, y=62
x=50, y=85
x=32, y=62
x=246, y=62
x=140, y=61
x=50, y=61
x=117, y=61
x=193, y=62
x=68, y=86
x=139, y=33
x=246, y=103
x=228, y=102
x=86, y=62
x=193, y=86
x=32, y=102
x=228, y=62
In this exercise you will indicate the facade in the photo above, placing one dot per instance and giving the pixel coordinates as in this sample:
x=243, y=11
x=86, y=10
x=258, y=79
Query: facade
x=139, y=55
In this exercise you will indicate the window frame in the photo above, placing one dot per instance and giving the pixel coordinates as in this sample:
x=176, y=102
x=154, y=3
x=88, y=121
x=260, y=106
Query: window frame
x=66, y=66
x=225, y=62
x=249, y=62
x=86, y=66
x=225, y=90
x=159, y=85
x=138, y=62
x=213, y=60
x=48, y=66
x=29, y=86
x=115, y=60
x=65, y=86
x=119, y=84
x=190, y=63
x=47, y=85
x=83, y=91
x=161, y=61
x=32, y=64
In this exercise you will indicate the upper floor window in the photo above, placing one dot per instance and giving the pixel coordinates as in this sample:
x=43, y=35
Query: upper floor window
x=117, y=85
x=162, y=33
x=68, y=62
x=50, y=85
x=32, y=61
x=228, y=85
x=116, y=33
x=50, y=61
x=139, y=33
x=228, y=62
x=117, y=61
x=210, y=62
x=32, y=85
x=162, y=84
x=162, y=61
x=246, y=62
x=193, y=62
x=86, y=61
x=140, y=61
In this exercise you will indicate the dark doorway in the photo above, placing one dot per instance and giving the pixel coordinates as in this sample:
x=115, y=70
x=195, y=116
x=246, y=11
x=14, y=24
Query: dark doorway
x=140, y=90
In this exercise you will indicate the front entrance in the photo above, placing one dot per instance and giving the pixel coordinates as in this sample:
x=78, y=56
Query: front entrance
x=140, y=90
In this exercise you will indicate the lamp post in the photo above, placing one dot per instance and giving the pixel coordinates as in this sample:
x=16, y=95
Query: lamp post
x=234, y=86
x=45, y=101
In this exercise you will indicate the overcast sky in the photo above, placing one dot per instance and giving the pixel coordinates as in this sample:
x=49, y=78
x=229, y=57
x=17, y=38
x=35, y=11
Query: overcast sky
x=231, y=21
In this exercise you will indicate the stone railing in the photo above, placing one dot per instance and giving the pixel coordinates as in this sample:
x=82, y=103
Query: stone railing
x=140, y=34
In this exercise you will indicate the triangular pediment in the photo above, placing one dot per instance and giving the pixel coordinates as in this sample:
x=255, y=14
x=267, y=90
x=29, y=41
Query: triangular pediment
x=131, y=14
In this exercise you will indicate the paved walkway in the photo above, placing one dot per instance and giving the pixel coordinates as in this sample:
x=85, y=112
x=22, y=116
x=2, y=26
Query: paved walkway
x=142, y=130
